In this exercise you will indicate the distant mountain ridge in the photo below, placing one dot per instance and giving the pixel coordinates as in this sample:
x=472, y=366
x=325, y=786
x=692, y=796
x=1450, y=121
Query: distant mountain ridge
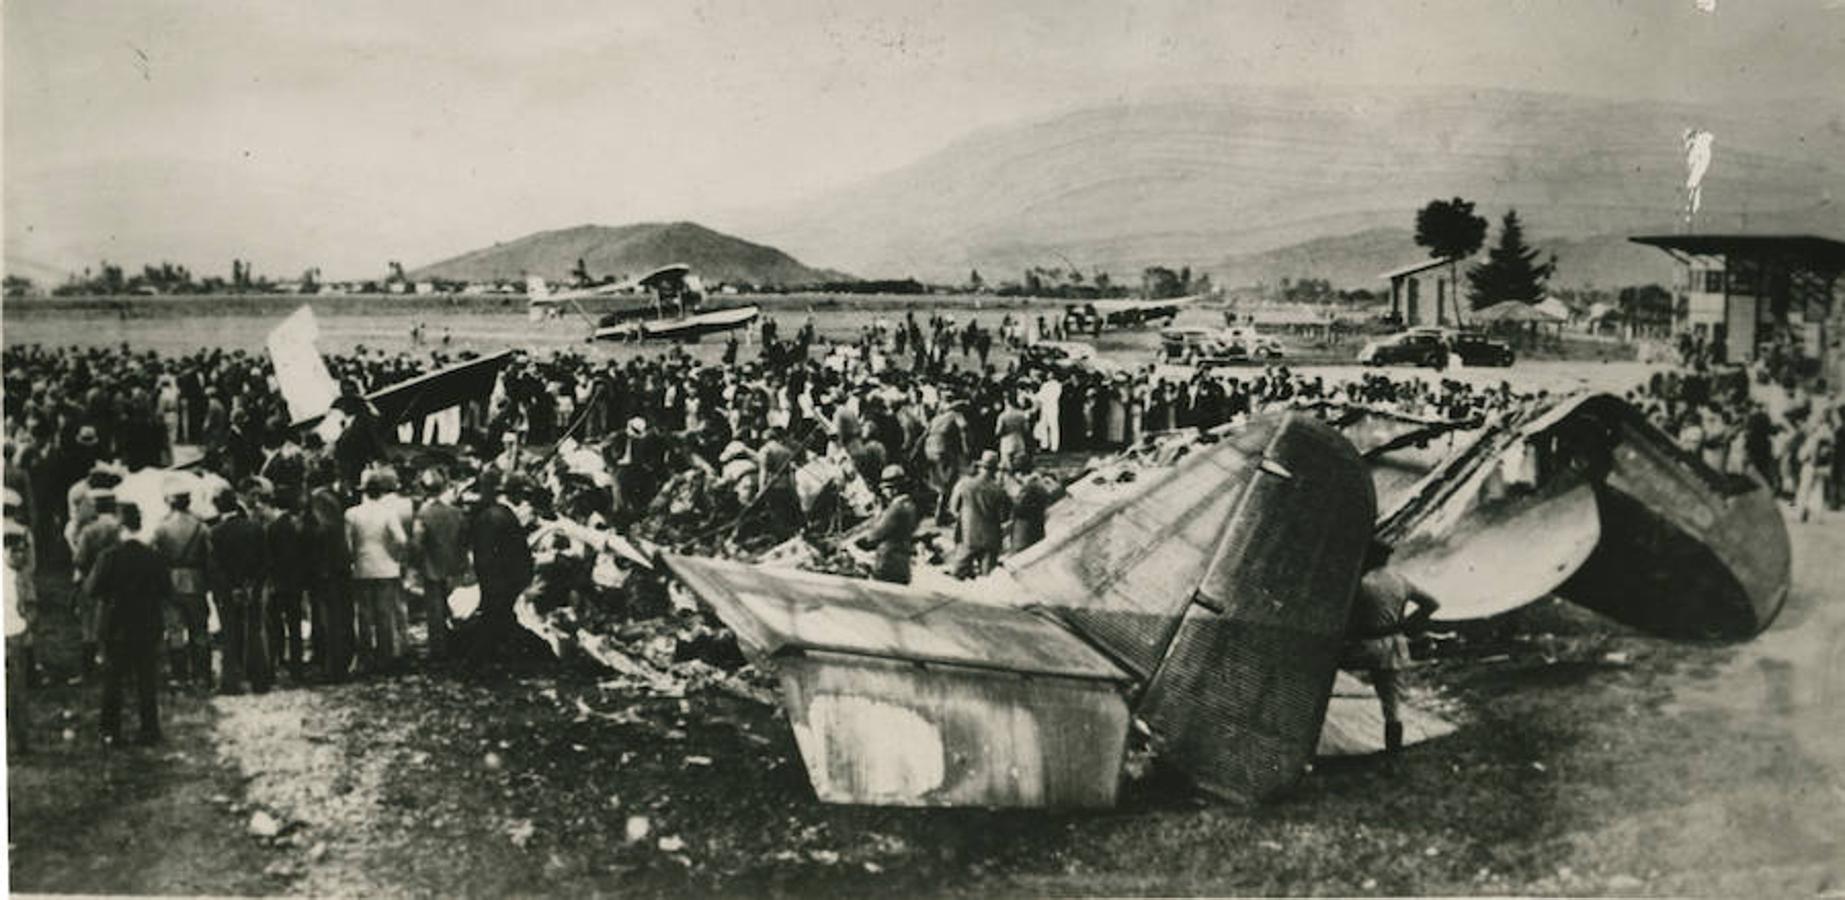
x=1357, y=260
x=1206, y=179
x=628, y=250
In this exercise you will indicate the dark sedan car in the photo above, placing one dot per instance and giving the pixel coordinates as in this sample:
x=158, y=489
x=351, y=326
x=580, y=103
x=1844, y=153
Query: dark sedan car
x=1474, y=349
x=1417, y=348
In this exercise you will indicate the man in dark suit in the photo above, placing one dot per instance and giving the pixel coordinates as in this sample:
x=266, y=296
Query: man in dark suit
x=438, y=538
x=285, y=544
x=131, y=585
x=981, y=508
x=502, y=559
x=327, y=568
x=236, y=569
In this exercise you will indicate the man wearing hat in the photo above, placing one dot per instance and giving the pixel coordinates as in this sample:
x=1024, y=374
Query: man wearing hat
x=894, y=530
x=80, y=499
x=376, y=535
x=980, y=510
x=183, y=543
x=502, y=560
x=436, y=537
x=640, y=467
x=1013, y=429
x=945, y=446
x=132, y=585
x=287, y=606
x=405, y=508
x=235, y=568
x=102, y=533
x=328, y=566
x=779, y=500
x=1031, y=500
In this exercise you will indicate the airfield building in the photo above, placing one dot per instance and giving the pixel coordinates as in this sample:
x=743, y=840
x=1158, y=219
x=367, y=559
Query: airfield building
x=1420, y=294
x=1744, y=294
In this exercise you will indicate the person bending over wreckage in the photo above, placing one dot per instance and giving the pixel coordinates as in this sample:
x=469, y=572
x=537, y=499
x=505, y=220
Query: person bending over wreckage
x=1377, y=631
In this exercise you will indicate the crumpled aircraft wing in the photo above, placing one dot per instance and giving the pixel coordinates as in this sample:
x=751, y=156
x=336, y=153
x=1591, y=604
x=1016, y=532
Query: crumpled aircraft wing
x=1587, y=500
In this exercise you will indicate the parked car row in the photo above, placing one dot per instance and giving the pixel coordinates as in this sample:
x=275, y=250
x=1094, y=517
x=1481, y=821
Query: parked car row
x=1435, y=347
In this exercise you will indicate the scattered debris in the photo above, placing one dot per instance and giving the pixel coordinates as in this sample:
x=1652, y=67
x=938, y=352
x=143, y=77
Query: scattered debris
x=264, y=825
x=638, y=828
x=520, y=832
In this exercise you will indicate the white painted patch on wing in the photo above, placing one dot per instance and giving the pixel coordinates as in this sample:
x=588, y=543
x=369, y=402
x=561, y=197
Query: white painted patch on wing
x=889, y=751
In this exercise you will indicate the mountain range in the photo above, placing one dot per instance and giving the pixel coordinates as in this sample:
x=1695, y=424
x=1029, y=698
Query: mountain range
x=628, y=250
x=1250, y=184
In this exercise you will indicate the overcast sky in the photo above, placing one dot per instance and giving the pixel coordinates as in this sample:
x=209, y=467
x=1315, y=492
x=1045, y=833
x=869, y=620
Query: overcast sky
x=347, y=134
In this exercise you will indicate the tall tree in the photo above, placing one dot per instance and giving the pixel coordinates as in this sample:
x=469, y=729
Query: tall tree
x=1450, y=231
x=1511, y=270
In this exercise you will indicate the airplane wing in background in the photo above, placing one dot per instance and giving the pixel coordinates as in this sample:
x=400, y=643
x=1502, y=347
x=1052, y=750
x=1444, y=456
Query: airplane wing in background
x=307, y=387
x=1150, y=307
x=427, y=394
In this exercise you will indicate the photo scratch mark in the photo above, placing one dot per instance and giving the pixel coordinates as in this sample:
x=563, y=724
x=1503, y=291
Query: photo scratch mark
x=142, y=63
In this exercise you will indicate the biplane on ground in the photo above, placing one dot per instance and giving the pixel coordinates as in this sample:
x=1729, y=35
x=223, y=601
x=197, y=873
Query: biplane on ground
x=664, y=304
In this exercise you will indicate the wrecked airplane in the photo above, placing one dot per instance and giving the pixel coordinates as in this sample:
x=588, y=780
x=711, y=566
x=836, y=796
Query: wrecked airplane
x=1586, y=500
x=1203, y=592
x=1209, y=604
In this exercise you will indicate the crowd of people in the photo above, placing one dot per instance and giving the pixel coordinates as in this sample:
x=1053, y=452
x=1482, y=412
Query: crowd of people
x=314, y=553
x=1757, y=421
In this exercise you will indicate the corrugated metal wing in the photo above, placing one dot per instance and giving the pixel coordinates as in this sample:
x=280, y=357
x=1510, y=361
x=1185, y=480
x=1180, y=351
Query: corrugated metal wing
x=1238, y=699
x=1123, y=578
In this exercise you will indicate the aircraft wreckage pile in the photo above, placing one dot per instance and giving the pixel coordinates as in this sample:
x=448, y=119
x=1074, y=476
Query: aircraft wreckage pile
x=1190, y=597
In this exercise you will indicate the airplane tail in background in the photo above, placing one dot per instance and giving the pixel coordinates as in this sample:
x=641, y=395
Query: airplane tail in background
x=535, y=290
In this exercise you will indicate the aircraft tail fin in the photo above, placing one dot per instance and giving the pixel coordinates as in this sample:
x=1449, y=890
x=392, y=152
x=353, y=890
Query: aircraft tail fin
x=535, y=289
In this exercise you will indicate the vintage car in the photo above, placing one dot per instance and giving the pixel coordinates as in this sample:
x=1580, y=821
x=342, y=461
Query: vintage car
x=1255, y=344
x=1204, y=347
x=1416, y=347
x=1476, y=349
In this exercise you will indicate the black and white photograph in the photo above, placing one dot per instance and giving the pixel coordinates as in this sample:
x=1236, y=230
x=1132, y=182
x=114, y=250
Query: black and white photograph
x=924, y=448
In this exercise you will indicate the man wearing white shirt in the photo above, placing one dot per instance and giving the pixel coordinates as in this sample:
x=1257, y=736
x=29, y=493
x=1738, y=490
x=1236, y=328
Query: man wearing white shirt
x=375, y=532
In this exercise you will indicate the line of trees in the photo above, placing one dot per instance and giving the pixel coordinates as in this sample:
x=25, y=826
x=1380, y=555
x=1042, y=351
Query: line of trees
x=110, y=279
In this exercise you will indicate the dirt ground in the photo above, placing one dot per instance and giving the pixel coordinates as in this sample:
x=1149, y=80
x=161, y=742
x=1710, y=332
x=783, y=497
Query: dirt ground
x=1588, y=761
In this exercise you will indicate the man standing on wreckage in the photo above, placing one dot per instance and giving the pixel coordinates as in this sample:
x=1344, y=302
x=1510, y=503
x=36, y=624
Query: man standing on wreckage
x=1377, y=633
